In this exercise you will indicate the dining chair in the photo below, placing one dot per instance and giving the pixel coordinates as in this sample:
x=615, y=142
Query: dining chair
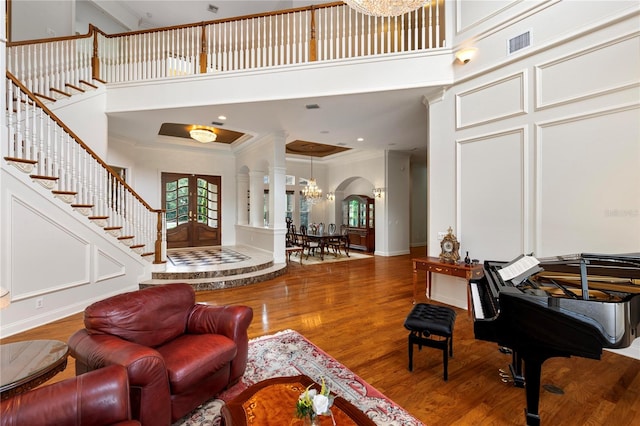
x=309, y=245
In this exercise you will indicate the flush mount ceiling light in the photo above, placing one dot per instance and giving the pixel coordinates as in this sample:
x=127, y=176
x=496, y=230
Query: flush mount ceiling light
x=385, y=7
x=202, y=135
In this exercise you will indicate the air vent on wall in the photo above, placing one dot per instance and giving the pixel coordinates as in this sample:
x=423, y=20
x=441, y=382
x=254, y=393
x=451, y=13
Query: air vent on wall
x=519, y=42
x=312, y=106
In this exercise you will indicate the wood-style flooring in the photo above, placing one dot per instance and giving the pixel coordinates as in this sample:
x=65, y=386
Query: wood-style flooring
x=355, y=311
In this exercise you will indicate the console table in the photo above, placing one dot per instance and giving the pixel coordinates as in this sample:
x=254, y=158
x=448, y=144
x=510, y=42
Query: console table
x=434, y=265
x=25, y=365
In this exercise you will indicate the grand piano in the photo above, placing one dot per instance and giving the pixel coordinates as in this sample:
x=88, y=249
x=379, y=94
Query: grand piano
x=570, y=305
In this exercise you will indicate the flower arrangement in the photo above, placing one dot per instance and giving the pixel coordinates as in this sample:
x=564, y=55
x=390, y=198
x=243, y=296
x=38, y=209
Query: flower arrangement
x=312, y=404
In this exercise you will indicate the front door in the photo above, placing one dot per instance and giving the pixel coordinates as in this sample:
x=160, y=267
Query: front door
x=192, y=204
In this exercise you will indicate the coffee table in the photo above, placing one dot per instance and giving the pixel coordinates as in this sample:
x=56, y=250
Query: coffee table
x=25, y=365
x=273, y=402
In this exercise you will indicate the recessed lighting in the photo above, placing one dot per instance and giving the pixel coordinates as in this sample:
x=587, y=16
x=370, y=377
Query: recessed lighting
x=222, y=117
x=360, y=139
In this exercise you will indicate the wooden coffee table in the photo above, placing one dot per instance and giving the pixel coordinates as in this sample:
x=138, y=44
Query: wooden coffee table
x=273, y=401
x=25, y=365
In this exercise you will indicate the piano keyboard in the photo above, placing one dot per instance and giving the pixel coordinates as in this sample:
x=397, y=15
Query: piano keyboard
x=478, y=312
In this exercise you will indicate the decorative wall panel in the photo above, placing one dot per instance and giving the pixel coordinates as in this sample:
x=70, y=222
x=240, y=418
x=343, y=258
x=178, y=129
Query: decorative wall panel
x=107, y=267
x=581, y=164
x=601, y=69
x=492, y=194
x=472, y=13
x=490, y=102
x=54, y=265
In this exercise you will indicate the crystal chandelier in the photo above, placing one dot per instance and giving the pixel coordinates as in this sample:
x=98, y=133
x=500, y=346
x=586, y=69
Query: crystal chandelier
x=311, y=193
x=385, y=7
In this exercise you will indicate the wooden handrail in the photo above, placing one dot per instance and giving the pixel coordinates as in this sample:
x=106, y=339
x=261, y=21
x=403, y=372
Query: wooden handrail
x=93, y=29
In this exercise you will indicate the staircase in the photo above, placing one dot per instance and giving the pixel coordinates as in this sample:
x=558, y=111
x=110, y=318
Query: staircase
x=41, y=145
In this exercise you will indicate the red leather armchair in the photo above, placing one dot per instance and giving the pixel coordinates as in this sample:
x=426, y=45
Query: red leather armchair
x=178, y=354
x=98, y=398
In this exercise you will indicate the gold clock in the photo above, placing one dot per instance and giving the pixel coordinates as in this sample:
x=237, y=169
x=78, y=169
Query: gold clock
x=449, y=248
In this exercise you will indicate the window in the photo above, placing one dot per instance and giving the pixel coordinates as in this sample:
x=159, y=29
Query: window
x=290, y=206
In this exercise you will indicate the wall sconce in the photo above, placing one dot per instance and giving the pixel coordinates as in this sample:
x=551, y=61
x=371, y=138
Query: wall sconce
x=466, y=54
x=331, y=196
x=377, y=192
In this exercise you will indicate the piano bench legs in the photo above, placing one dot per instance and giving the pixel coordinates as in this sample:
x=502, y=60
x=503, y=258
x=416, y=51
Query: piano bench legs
x=432, y=326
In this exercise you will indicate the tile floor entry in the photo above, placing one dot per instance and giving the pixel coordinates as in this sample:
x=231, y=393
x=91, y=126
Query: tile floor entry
x=205, y=256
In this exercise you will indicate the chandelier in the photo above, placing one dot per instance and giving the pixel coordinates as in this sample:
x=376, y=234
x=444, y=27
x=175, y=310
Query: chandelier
x=203, y=135
x=311, y=193
x=385, y=7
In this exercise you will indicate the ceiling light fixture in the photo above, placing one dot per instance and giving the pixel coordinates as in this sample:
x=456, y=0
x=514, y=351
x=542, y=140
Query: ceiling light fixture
x=385, y=7
x=203, y=135
x=311, y=193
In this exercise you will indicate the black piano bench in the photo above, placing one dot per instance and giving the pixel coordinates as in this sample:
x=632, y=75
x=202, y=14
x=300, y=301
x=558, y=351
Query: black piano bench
x=431, y=325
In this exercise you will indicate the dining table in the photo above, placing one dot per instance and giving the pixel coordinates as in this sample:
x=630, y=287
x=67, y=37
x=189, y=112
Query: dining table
x=324, y=239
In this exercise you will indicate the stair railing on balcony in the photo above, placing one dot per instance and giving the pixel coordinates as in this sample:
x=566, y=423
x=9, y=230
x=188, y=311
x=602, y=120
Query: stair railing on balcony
x=317, y=33
x=40, y=144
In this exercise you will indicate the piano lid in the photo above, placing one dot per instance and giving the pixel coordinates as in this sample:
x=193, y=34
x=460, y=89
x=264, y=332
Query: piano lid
x=625, y=265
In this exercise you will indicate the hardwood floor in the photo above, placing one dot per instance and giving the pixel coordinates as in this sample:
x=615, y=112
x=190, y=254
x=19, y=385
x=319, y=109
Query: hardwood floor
x=355, y=311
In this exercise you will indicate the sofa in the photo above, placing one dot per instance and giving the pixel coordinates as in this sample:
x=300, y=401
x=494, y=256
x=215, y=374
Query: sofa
x=178, y=354
x=98, y=398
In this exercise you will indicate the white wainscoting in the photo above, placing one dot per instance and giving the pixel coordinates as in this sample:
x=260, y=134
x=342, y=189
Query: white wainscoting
x=601, y=69
x=587, y=183
x=497, y=100
x=492, y=191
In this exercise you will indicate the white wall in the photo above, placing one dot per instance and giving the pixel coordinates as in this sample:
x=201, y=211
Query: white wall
x=540, y=151
x=418, y=203
x=77, y=262
x=84, y=115
x=35, y=19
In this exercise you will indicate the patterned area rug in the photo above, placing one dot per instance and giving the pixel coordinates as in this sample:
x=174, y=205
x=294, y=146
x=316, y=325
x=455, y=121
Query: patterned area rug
x=328, y=258
x=288, y=353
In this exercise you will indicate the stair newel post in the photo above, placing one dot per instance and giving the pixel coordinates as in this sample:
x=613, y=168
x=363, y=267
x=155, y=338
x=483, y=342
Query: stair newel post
x=95, y=60
x=313, y=43
x=203, y=50
x=159, y=234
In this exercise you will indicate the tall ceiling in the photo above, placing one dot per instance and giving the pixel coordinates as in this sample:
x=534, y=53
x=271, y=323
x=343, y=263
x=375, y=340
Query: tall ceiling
x=390, y=120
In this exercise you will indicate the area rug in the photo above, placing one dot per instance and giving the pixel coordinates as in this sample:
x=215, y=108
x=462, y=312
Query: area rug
x=328, y=258
x=288, y=353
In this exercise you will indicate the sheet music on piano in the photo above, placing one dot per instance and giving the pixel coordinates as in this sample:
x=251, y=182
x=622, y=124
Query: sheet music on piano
x=519, y=269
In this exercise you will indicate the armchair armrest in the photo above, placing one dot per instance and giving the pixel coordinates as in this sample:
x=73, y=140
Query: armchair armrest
x=97, y=398
x=230, y=321
x=148, y=381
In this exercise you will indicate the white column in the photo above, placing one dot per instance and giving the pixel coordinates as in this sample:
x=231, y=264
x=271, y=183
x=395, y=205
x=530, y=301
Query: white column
x=242, y=202
x=277, y=193
x=256, y=194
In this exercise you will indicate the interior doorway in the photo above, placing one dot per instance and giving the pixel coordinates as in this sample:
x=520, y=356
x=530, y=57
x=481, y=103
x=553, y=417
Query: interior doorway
x=192, y=204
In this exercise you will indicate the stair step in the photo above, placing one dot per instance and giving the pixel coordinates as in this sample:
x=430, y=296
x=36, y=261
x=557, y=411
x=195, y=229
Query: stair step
x=84, y=209
x=66, y=196
x=44, y=98
x=59, y=94
x=21, y=164
x=48, y=182
x=101, y=221
x=229, y=281
x=86, y=83
x=74, y=89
